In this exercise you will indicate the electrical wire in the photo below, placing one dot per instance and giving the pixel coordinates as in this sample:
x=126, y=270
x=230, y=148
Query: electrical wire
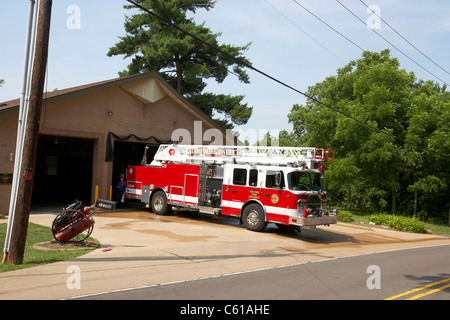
x=321, y=20
x=249, y=66
x=391, y=43
x=404, y=38
x=309, y=36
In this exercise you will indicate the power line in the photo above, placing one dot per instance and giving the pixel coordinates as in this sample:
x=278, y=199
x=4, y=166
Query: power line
x=329, y=25
x=404, y=38
x=309, y=36
x=249, y=66
x=390, y=43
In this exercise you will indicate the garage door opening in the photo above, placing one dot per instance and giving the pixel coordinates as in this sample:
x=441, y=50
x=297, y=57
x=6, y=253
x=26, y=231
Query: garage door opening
x=63, y=170
x=129, y=154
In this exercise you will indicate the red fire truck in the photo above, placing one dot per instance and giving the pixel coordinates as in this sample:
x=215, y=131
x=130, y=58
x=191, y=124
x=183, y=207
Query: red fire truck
x=258, y=185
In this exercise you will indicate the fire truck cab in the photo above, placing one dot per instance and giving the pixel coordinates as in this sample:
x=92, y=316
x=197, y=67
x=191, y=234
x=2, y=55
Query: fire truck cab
x=258, y=185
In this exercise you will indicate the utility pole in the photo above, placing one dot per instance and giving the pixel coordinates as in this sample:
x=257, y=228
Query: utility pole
x=23, y=206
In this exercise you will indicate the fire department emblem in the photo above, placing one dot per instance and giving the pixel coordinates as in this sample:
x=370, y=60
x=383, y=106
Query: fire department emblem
x=274, y=198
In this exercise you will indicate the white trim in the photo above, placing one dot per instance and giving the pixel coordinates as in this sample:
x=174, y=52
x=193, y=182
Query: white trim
x=182, y=199
x=269, y=209
x=137, y=192
x=232, y=204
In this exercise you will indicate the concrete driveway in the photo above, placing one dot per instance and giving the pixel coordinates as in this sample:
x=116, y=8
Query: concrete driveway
x=146, y=249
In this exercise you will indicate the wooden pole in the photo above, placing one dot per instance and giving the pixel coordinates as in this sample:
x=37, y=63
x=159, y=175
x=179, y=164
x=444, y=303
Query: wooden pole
x=21, y=218
x=449, y=217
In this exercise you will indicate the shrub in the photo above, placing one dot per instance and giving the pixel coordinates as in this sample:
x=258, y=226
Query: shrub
x=399, y=222
x=345, y=216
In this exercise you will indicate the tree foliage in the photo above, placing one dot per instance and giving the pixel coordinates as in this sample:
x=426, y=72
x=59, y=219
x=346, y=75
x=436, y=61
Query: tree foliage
x=184, y=62
x=407, y=173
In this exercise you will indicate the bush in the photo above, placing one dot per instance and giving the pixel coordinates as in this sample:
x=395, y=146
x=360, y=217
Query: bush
x=345, y=216
x=399, y=222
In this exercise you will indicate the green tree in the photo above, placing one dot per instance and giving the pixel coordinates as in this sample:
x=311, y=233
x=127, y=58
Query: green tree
x=284, y=139
x=372, y=169
x=2, y=82
x=184, y=62
x=372, y=90
x=426, y=145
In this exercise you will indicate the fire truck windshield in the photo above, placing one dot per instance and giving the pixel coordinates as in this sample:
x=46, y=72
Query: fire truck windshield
x=304, y=181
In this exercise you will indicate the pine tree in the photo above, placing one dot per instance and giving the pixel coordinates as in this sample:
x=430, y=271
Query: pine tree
x=184, y=62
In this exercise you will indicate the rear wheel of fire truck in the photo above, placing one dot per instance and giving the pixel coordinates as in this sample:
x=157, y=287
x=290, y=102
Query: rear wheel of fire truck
x=159, y=204
x=254, y=218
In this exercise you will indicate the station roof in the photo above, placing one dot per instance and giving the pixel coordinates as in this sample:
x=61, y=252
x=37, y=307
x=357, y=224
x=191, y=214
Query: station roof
x=147, y=87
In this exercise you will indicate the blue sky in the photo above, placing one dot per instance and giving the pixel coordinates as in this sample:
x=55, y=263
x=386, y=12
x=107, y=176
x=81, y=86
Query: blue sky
x=281, y=33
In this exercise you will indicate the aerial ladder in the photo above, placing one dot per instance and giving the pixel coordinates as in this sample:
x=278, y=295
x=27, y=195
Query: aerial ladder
x=258, y=155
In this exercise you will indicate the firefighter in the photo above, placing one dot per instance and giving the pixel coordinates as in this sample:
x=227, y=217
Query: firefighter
x=121, y=193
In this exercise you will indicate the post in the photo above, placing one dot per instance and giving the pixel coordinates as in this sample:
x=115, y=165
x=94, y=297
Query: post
x=96, y=194
x=449, y=217
x=26, y=178
x=23, y=112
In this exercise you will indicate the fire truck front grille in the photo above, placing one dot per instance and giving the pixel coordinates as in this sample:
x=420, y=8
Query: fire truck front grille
x=314, y=202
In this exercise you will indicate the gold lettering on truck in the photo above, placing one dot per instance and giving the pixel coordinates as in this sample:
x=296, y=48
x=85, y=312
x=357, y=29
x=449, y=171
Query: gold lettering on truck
x=254, y=194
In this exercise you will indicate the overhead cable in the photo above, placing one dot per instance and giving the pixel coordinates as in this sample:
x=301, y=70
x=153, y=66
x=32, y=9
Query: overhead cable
x=391, y=43
x=404, y=38
x=249, y=66
x=309, y=36
x=321, y=20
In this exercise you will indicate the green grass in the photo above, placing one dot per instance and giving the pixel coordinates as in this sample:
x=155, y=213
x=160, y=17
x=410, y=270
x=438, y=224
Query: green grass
x=35, y=257
x=358, y=216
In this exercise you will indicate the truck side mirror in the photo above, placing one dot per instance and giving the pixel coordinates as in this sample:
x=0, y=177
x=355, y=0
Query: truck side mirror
x=278, y=179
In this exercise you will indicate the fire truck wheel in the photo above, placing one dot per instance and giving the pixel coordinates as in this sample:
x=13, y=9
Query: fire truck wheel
x=254, y=218
x=159, y=204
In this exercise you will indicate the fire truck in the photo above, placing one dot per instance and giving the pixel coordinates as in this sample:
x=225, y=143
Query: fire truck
x=258, y=185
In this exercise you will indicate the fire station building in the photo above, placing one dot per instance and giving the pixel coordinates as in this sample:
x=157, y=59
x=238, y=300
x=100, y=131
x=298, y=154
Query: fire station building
x=91, y=133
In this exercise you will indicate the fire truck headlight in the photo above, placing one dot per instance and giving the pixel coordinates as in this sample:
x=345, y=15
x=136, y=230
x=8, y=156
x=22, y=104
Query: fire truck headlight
x=334, y=212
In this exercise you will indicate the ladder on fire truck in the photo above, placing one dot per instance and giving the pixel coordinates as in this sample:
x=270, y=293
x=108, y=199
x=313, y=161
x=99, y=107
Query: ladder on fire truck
x=280, y=156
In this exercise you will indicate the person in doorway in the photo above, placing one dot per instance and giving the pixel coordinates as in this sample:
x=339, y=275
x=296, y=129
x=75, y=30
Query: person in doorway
x=121, y=193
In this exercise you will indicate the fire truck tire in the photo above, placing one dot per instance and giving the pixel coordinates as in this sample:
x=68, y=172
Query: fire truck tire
x=159, y=203
x=254, y=218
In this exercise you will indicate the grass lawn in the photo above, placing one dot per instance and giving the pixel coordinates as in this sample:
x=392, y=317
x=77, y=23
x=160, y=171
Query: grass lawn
x=34, y=257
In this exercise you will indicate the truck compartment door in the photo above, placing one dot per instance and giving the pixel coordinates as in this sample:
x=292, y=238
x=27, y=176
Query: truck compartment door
x=191, y=187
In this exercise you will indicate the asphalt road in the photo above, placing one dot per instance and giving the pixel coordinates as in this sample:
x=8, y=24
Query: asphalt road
x=166, y=256
x=388, y=275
